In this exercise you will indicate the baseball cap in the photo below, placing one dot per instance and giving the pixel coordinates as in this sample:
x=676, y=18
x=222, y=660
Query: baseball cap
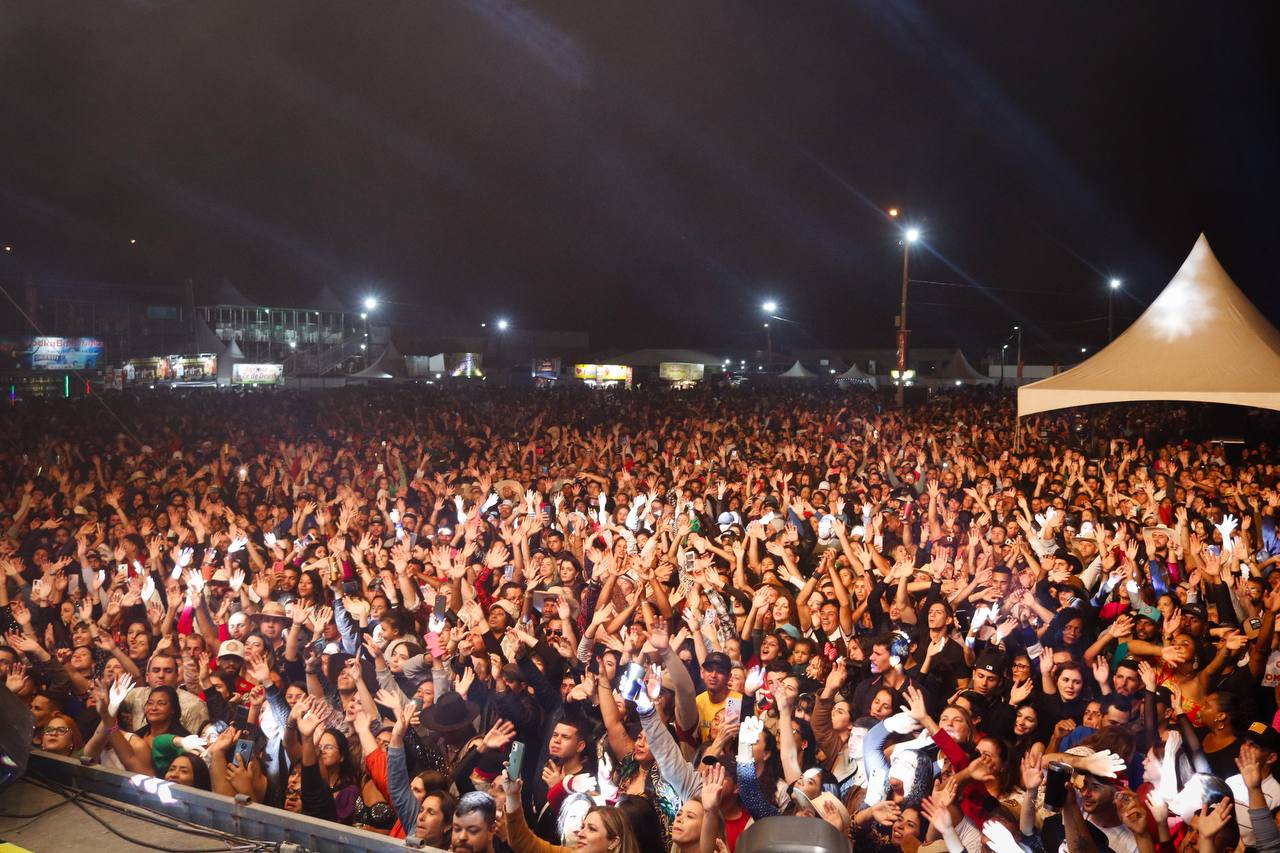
x=718, y=661
x=231, y=648
x=991, y=662
x=1264, y=736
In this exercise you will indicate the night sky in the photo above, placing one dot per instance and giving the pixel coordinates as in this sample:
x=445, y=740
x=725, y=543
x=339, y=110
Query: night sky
x=649, y=172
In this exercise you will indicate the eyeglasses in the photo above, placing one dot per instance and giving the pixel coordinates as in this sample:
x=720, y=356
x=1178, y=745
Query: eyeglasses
x=328, y=747
x=57, y=731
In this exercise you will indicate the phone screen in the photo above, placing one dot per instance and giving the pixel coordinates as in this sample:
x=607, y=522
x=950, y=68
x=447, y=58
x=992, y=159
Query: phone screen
x=515, y=762
x=632, y=682
x=732, y=711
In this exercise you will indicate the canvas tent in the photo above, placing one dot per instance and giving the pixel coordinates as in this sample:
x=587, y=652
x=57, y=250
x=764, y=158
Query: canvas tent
x=388, y=365
x=855, y=374
x=797, y=371
x=956, y=371
x=1201, y=340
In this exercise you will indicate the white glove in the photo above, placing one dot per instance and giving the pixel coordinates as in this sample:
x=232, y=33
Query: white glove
x=489, y=502
x=901, y=724
x=999, y=838
x=269, y=539
x=604, y=779
x=749, y=731
x=236, y=580
x=237, y=544
x=148, y=588
x=754, y=680
x=458, y=505
x=192, y=743
x=603, y=503
x=119, y=690
x=195, y=581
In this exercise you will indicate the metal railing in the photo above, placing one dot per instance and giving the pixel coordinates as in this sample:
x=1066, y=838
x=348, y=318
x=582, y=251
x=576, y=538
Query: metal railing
x=238, y=816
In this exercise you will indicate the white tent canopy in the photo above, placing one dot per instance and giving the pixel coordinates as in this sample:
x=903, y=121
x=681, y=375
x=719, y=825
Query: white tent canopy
x=957, y=371
x=1201, y=340
x=797, y=371
x=856, y=374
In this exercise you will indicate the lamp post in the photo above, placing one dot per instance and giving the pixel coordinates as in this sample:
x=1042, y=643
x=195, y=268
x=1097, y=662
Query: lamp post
x=1004, y=348
x=502, y=325
x=1018, y=329
x=909, y=236
x=1111, y=293
x=769, y=308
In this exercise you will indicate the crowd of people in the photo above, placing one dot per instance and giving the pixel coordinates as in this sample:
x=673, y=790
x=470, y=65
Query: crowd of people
x=538, y=621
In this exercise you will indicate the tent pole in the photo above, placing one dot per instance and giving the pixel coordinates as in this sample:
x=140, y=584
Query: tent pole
x=1017, y=433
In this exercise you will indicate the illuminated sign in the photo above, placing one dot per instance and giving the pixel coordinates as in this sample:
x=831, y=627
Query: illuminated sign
x=681, y=371
x=49, y=353
x=193, y=368
x=257, y=374
x=602, y=372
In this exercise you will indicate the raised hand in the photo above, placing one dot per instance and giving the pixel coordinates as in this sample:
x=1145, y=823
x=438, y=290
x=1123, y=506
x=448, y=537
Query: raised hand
x=1032, y=770
x=499, y=737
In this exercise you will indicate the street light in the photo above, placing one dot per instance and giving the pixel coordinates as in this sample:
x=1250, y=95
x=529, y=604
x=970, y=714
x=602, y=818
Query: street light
x=769, y=308
x=909, y=236
x=370, y=303
x=1018, y=329
x=1111, y=293
x=502, y=325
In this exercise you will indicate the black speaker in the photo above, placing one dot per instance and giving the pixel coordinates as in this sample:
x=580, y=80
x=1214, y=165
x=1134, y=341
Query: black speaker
x=785, y=834
x=17, y=726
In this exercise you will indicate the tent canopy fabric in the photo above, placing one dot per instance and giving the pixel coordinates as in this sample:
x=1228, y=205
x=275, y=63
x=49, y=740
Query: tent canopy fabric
x=958, y=369
x=1201, y=340
x=797, y=371
x=856, y=374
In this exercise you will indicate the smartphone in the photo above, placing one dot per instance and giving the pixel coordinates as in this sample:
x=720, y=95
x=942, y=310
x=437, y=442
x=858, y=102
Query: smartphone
x=244, y=751
x=538, y=600
x=632, y=682
x=416, y=701
x=515, y=761
x=382, y=469
x=434, y=649
x=351, y=587
x=440, y=606
x=732, y=710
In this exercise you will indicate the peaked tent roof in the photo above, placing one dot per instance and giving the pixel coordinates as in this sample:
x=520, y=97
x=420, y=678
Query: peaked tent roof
x=388, y=365
x=654, y=357
x=958, y=368
x=797, y=371
x=855, y=374
x=226, y=293
x=326, y=300
x=1201, y=340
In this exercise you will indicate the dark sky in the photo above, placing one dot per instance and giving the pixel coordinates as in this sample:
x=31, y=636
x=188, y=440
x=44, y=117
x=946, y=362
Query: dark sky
x=648, y=171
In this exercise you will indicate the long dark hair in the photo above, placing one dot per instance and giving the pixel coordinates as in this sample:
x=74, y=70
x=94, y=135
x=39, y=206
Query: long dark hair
x=199, y=772
x=347, y=774
x=175, y=722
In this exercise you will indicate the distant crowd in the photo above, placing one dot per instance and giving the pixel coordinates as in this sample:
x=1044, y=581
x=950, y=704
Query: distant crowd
x=616, y=622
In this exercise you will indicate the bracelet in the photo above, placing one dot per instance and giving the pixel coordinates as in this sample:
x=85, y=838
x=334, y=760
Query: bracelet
x=112, y=730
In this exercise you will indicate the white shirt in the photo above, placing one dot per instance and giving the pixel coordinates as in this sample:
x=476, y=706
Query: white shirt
x=1270, y=793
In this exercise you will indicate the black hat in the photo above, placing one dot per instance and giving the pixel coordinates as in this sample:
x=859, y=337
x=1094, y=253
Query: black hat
x=991, y=662
x=450, y=713
x=1196, y=610
x=1264, y=736
x=729, y=764
x=1001, y=569
x=719, y=661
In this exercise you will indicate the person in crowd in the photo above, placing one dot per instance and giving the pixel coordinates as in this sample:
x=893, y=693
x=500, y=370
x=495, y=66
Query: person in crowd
x=680, y=615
